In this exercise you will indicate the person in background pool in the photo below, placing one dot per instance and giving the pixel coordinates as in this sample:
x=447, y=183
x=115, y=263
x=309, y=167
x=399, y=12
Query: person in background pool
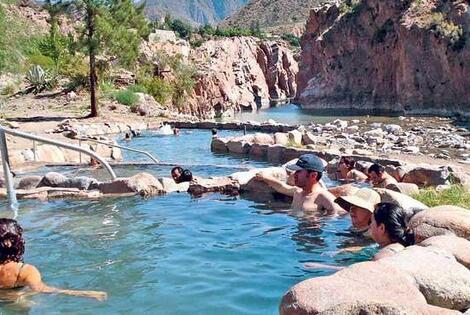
x=214, y=132
x=379, y=177
x=176, y=131
x=347, y=171
x=308, y=193
x=14, y=273
x=127, y=136
x=176, y=173
x=186, y=176
x=389, y=229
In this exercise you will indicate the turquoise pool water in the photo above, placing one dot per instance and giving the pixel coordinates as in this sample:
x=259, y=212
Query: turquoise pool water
x=176, y=254
x=293, y=114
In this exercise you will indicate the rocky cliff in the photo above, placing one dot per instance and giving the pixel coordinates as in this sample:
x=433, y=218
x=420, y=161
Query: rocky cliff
x=400, y=56
x=241, y=73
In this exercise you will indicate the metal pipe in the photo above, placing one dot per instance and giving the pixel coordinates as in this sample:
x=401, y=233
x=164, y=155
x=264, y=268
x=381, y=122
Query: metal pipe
x=12, y=202
x=34, y=151
x=123, y=148
x=63, y=145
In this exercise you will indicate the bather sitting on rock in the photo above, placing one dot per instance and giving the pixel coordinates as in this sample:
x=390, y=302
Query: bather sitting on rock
x=389, y=229
x=308, y=194
x=346, y=170
x=15, y=274
x=378, y=177
x=360, y=206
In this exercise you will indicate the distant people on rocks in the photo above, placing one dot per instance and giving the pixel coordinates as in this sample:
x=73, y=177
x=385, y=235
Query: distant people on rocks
x=346, y=170
x=360, y=206
x=136, y=133
x=128, y=136
x=181, y=175
x=15, y=274
x=308, y=193
x=389, y=229
x=94, y=162
x=378, y=177
x=176, y=131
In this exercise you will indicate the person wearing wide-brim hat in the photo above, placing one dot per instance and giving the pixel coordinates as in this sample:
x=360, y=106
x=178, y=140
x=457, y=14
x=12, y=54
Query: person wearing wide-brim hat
x=360, y=206
x=308, y=194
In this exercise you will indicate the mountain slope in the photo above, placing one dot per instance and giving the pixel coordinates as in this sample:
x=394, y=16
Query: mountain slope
x=196, y=11
x=279, y=16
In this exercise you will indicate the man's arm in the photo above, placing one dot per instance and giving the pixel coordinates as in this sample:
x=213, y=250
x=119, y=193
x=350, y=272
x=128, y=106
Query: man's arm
x=326, y=200
x=277, y=185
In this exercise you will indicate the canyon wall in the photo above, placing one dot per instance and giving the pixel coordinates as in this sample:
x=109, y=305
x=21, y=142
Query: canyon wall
x=387, y=56
x=241, y=73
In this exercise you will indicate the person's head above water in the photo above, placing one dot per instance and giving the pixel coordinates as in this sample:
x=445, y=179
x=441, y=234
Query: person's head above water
x=186, y=176
x=176, y=173
x=360, y=206
x=376, y=172
x=308, y=170
x=389, y=225
x=11, y=241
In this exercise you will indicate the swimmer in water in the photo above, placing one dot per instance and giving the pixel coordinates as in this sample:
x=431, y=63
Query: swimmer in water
x=14, y=273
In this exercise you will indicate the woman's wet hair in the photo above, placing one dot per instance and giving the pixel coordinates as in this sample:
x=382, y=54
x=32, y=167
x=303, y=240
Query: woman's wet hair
x=395, y=219
x=186, y=176
x=11, y=241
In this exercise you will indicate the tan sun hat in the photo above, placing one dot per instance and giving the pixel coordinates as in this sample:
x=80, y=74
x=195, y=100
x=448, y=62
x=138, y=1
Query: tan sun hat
x=364, y=198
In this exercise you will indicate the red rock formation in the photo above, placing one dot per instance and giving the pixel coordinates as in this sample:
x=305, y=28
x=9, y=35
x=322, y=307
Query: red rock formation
x=241, y=73
x=401, y=56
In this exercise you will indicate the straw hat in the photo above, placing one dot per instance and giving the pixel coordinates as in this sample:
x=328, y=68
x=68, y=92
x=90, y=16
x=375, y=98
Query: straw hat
x=365, y=198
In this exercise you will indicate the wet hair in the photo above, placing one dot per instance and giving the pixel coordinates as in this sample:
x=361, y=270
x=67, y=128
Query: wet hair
x=214, y=131
x=11, y=241
x=186, y=176
x=177, y=168
x=377, y=168
x=395, y=219
x=349, y=161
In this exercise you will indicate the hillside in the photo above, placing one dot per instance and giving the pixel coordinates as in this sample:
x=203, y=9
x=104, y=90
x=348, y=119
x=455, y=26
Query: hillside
x=196, y=11
x=278, y=16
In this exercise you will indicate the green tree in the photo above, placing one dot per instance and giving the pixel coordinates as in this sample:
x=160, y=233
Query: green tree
x=2, y=39
x=110, y=27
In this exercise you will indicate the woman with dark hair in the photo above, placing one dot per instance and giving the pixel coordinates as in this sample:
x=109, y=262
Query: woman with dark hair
x=389, y=229
x=176, y=174
x=186, y=176
x=14, y=273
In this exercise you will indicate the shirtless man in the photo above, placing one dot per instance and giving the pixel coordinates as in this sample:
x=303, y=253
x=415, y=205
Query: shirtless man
x=308, y=194
x=379, y=178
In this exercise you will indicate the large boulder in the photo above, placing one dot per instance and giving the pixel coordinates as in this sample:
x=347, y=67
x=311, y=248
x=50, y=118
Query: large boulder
x=404, y=201
x=457, y=246
x=408, y=189
x=258, y=151
x=427, y=176
x=441, y=220
x=169, y=185
x=143, y=183
x=80, y=182
x=364, y=288
x=276, y=153
x=440, y=278
x=238, y=146
x=281, y=138
x=263, y=138
x=343, y=190
x=52, y=179
x=29, y=182
x=219, y=145
x=224, y=185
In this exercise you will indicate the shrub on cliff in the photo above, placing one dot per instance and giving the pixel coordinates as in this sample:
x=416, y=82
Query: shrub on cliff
x=126, y=97
x=455, y=195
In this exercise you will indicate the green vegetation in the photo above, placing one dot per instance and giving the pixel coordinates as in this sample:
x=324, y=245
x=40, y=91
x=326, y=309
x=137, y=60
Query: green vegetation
x=350, y=7
x=291, y=39
x=40, y=80
x=126, y=97
x=9, y=89
x=456, y=195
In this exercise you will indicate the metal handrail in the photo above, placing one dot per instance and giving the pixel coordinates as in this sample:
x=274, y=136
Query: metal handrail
x=12, y=201
x=122, y=147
